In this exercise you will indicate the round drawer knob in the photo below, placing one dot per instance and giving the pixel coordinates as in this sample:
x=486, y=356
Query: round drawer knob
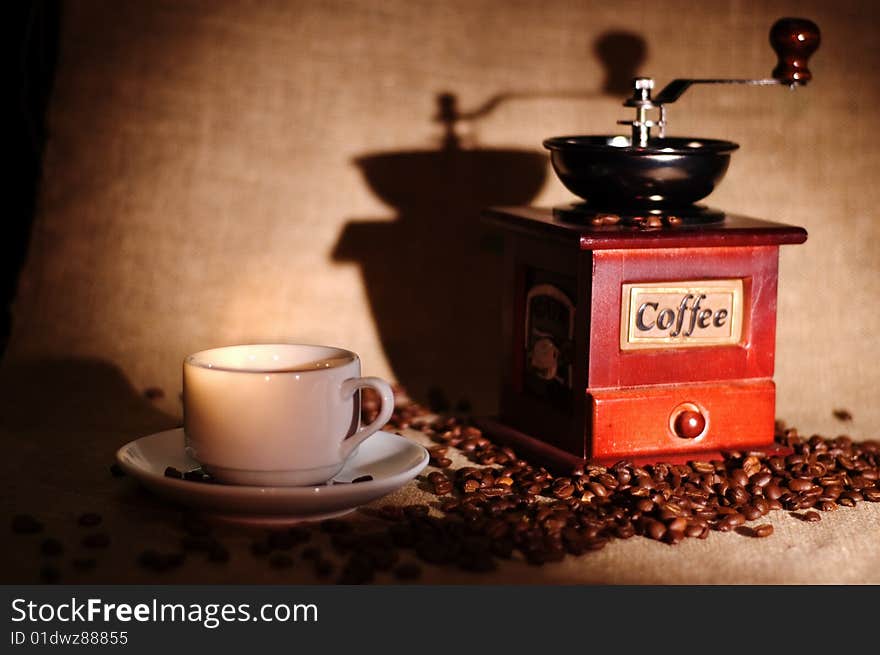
x=689, y=424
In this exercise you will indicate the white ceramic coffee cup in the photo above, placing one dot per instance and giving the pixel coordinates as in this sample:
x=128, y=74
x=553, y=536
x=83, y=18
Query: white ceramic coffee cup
x=276, y=414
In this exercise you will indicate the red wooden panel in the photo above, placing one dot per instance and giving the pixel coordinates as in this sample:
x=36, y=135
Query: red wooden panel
x=632, y=422
x=518, y=408
x=753, y=358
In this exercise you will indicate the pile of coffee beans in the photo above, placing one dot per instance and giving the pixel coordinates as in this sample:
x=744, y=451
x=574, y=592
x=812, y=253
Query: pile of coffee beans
x=504, y=505
x=52, y=550
x=501, y=506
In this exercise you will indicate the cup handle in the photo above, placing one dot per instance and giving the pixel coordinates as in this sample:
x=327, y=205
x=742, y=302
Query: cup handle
x=348, y=388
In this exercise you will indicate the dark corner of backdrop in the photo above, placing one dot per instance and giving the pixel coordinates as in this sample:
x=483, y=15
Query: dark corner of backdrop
x=33, y=34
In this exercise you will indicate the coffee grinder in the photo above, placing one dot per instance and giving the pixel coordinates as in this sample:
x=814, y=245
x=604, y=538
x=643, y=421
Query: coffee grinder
x=638, y=324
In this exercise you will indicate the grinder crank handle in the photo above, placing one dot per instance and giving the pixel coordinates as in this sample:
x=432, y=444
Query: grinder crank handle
x=793, y=40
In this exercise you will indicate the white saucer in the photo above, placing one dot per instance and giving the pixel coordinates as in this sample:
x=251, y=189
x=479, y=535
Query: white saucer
x=392, y=460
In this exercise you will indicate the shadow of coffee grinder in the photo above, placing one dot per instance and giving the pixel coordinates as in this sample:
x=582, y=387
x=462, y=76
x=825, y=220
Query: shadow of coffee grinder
x=432, y=272
x=638, y=324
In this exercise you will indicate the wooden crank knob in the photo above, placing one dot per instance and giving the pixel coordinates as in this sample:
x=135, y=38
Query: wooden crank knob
x=689, y=424
x=794, y=40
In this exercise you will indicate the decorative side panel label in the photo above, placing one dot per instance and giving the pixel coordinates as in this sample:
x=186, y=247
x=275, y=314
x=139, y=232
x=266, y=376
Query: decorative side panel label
x=687, y=314
x=549, y=334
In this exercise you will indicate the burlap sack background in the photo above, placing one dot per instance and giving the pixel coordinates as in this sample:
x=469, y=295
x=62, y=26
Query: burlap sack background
x=201, y=184
x=223, y=172
x=200, y=175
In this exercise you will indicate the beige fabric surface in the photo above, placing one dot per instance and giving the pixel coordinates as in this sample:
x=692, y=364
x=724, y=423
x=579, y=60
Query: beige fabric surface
x=228, y=172
x=63, y=421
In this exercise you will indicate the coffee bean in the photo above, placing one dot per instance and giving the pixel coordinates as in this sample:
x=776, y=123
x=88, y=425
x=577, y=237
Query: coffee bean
x=300, y=535
x=196, y=475
x=678, y=524
x=625, y=531
x=872, y=495
x=173, y=560
x=408, y=571
x=764, y=530
x=96, y=540
x=151, y=559
x=772, y=492
x=761, y=479
x=738, y=496
x=599, y=489
x=416, y=511
x=502, y=548
x=193, y=543
x=154, y=393
x=440, y=483
x=751, y=512
x=644, y=505
x=655, y=530
x=693, y=530
x=171, y=472
x=260, y=549
x=358, y=570
x=335, y=526
x=26, y=524
x=799, y=484
x=218, y=554
x=158, y=562
x=480, y=562
x=608, y=481
x=735, y=519
x=50, y=574
x=391, y=513
x=831, y=491
x=51, y=547
x=83, y=564
x=280, y=561
x=470, y=486
x=89, y=519
x=195, y=526
x=323, y=568
x=703, y=467
x=739, y=477
x=343, y=542
x=311, y=553
x=279, y=541
x=751, y=465
x=563, y=488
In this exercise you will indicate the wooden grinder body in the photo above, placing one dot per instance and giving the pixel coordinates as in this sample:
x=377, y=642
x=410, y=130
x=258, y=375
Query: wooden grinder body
x=588, y=373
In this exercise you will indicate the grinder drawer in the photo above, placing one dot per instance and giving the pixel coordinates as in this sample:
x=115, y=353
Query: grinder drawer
x=680, y=418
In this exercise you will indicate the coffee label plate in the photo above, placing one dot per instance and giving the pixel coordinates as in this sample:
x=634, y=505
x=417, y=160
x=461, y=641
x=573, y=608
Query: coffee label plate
x=681, y=314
